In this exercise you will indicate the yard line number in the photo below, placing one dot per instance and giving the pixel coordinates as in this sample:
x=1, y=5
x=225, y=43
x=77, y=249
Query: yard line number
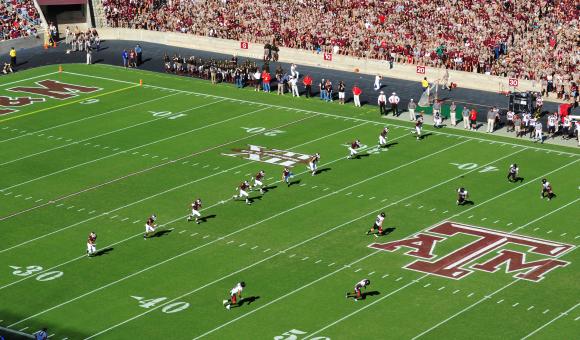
x=293, y=335
x=259, y=129
x=171, y=308
x=471, y=166
x=167, y=114
x=31, y=270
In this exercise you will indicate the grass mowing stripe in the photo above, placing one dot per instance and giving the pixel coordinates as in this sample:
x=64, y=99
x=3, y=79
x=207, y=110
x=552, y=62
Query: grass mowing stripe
x=68, y=103
x=551, y=321
x=330, y=115
x=236, y=232
x=488, y=296
x=134, y=148
x=86, y=118
x=426, y=275
x=356, y=219
x=120, y=178
x=181, y=217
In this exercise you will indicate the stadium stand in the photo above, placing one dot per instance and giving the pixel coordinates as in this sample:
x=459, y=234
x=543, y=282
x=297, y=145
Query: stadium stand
x=511, y=38
x=19, y=19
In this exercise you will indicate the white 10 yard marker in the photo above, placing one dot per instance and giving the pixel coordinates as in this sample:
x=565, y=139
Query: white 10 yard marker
x=471, y=166
x=168, y=309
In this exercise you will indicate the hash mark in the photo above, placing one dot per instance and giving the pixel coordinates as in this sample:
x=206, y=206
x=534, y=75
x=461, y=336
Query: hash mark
x=134, y=153
x=81, y=209
x=306, y=258
x=72, y=206
x=126, y=218
x=536, y=229
x=578, y=318
x=303, y=184
x=427, y=285
x=384, y=199
x=494, y=222
x=549, y=232
x=325, y=189
x=314, y=187
x=515, y=304
x=217, y=167
x=371, y=273
x=372, y=198
x=500, y=301
x=27, y=198
x=318, y=261
x=20, y=330
x=408, y=204
x=18, y=195
x=266, y=250
x=181, y=232
x=135, y=221
x=564, y=234
x=349, y=193
x=509, y=224
x=470, y=295
x=243, y=244
x=456, y=291
x=359, y=196
x=433, y=209
x=530, y=308
x=60, y=205
x=441, y=288
x=254, y=247
x=358, y=270
x=470, y=216
x=399, y=278
x=230, y=242
x=206, y=236
x=185, y=162
x=237, y=172
x=419, y=207
x=382, y=277
x=291, y=256
x=546, y=311
x=114, y=216
x=446, y=211
x=331, y=264
x=577, y=237
x=205, y=166
x=483, y=219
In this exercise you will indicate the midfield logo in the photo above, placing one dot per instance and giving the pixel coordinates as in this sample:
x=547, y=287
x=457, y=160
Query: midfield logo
x=456, y=265
x=273, y=156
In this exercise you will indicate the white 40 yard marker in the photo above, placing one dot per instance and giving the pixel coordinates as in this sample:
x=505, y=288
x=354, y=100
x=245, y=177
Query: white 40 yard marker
x=167, y=114
x=471, y=166
x=168, y=309
x=31, y=270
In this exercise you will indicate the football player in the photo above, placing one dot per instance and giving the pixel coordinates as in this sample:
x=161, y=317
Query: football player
x=353, y=146
x=91, y=244
x=286, y=175
x=513, y=173
x=419, y=127
x=313, y=163
x=546, y=189
x=383, y=138
x=235, y=295
x=378, y=225
x=258, y=181
x=462, y=196
x=357, y=289
x=552, y=124
x=150, y=227
x=243, y=187
x=195, y=207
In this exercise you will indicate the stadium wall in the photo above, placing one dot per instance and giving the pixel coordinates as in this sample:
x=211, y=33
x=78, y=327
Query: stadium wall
x=344, y=63
x=20, y=43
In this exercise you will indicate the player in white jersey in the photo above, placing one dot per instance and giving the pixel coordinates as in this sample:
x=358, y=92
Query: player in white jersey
x=377, y=225
x=539, y=134
x=378, y=84
x=510, y=121
x=546, y=190
x=195, y=208
x=383, y=138
x=567, y=128
x=462, y=196
x=357, y=295
x=92, y=244
x=552, y=123
x=235, y=295
x=313, y=163
x=513, y=173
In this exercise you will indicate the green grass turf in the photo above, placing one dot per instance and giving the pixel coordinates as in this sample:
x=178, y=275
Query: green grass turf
x=104, y=162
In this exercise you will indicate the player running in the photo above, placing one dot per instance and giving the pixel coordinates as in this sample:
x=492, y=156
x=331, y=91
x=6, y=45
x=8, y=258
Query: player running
x=383, y=138
x=462, y=196
x=313, y=163
x=92, y=244
x=243, y=187
x=546, y=189
x=235, y=295
x=419, y=127
x=353, y=146
x=378, y=225
x=286, y=175
x=258, y=181
x=150, y=227
x=357, y=289
x=513, y=173
x=195, y=208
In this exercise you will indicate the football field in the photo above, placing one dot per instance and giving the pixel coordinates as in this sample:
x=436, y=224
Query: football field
x=100, y=149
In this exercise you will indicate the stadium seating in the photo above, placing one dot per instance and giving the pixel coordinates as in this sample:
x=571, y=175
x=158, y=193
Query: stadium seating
x=19, y=18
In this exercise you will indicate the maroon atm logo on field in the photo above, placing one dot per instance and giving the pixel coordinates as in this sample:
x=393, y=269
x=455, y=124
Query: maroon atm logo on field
x=46, y=88
x=459, y=263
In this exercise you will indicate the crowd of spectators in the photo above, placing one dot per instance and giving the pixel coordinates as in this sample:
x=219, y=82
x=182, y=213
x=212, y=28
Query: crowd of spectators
x=19, y=18
x=516, y=38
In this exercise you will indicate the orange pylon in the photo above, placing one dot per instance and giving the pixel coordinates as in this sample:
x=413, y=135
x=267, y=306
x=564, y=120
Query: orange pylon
x=140, y=82
x=59, y=68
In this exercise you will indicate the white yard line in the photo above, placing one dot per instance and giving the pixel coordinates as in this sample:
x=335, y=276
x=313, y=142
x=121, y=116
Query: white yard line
x=248, y=227
x=101, y=135
x=30, y=78
x=551, y=321
x=330, y=115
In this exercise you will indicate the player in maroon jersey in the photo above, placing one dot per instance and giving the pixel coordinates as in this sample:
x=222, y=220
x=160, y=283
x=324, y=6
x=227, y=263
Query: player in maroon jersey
x=243, y=187
x=92, y=244
x=258, y=181
x=286, y=175
x=353, y=146
x=195, y=208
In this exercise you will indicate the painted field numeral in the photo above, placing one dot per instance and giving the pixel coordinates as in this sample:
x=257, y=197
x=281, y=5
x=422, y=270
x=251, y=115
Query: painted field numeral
x=293, y=335
x=168, y=309
x=31, y=270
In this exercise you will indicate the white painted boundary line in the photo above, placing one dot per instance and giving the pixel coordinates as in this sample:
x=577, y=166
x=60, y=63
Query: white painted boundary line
x=87, y=118
x=181, y=217
x=426, y=275
x=240, y=230
x=551, y=321
x=25, y=79
x=317, y=236
x=134, y=148
x=331, y=115
x=104, y=134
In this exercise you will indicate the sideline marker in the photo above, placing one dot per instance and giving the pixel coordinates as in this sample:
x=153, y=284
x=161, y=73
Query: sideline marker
x=140, y=82
x=59, y=68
